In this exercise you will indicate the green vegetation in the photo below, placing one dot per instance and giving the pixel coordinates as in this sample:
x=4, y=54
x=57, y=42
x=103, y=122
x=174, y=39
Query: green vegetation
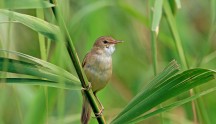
x=42, y=44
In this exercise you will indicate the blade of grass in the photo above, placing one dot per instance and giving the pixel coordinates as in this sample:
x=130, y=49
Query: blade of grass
x=47, y=29
x=43, y=53
x=157, y=94
x=40, y=14
x=169, y=71
x=20, y=67
x=157, y=14
x=155, y=19
x=173, y=27
x=41, y=82
x=168, y=8
x=173, y=105
x=75, y=59
x=174, y=5
x=51, y=67
x=29, y=4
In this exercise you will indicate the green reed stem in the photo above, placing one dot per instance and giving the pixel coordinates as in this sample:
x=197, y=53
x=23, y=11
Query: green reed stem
x=76, y=62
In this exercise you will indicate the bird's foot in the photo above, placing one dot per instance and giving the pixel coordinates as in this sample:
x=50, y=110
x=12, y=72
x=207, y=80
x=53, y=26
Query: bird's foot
x=99, y=114
x=87, y=88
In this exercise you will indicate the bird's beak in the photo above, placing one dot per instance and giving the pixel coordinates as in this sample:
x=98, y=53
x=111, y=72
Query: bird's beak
x=116, y=41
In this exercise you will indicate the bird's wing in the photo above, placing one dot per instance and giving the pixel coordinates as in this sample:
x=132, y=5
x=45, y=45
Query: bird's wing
x=85, y=59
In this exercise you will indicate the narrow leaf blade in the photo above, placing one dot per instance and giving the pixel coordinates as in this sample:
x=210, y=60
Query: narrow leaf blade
x=167, y=89
x=21, y=67
x=41, y=82
x=157, y=14
x=47, y=29
x=52, y=68
x=174, y=105
x=169, y=71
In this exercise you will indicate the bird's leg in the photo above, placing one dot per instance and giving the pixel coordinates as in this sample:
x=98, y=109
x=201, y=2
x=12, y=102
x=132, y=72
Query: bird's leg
x=102, y=108
x=88, y=87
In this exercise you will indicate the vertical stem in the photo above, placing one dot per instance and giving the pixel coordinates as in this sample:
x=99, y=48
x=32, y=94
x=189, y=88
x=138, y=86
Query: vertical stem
x=40, y=14
x=42, y=45
x=154, y=51
x=75, y=59
x=178, y=43
x=154, y=45
x=84, y=82
x=175, y=33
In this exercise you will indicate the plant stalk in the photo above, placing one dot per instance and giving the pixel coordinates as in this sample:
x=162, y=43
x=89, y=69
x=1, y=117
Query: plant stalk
x=76, y=62
x=178, y=43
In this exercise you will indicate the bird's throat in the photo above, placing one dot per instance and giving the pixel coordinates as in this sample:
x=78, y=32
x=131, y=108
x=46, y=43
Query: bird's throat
x=109, y=50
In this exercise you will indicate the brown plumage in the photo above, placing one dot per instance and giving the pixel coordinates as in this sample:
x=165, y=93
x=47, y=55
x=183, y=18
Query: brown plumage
x=97, y=65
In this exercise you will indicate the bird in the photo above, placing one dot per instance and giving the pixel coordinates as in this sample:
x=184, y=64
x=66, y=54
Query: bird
x=97, y=65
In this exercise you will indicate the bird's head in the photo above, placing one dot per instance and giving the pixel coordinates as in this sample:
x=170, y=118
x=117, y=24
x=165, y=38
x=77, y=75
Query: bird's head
x=106, y=43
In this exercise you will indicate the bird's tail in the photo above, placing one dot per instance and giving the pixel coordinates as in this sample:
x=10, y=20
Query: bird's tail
x=86, y=111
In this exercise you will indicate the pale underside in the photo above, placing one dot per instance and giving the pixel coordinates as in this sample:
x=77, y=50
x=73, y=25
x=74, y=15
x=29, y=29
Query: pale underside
x=98, y=67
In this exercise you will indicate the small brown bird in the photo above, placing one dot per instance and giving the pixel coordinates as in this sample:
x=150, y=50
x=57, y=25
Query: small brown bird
x=97, y=65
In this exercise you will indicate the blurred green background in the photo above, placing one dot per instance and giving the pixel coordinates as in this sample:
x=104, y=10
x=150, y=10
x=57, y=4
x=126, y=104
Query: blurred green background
x=126, y=20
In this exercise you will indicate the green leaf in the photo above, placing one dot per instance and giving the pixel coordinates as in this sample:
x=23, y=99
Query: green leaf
x=162, y=88
x=173, y=27
x=169, y=71
x=157, y=14
x=24, y=4
x=41, y=82
x=174, y=5
x=174, y=105
x=47, y=29
x=51, y=67
x=21, y=67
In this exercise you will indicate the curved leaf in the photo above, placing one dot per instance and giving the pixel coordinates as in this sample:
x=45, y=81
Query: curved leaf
x=40, y=82
x=161, y=90
x=21, y=67
x=52, y=68
x=174, y=105
x=47, y=29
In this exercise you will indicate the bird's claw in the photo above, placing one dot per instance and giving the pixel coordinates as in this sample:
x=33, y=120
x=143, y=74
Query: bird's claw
x=99, y=114
x=87, y=88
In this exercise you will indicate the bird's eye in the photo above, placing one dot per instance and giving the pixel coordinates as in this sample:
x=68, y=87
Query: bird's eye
x=105, y=41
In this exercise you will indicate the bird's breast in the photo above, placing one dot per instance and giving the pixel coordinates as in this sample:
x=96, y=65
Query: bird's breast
x=98, y=70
